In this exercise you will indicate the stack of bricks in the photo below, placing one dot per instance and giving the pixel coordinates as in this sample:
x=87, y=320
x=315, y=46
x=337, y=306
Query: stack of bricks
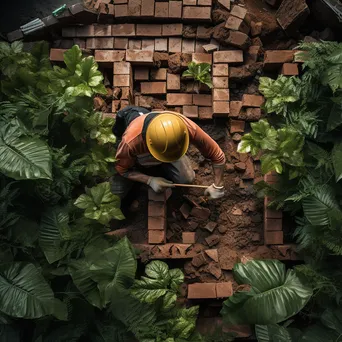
x=210, y=290
x=282, y=61
x=123, y=84
x=273, y=219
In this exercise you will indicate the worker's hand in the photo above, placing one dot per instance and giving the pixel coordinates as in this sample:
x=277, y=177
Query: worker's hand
x=214, y=192
x=159, y=184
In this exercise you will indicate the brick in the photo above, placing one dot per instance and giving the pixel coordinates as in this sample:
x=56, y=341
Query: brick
x=190, y=111
x=197, y=13
x=156, y=197
x=225, y=4
x=173, y=82
x=236, y=24
x=290, y=69
x=139, y=57
x=200, y=213
x=189, y=2
x=158, y=74
x=202, y=58
x=134, y=8
x=210, y=47
x=188, y=45
x=121, y=11
x=106, y=13
x=271, y=178
x=202, y=100
x=157, y=223
x=204, y=3
x=148, y=30
x=253, y=114
x=115, y=105
x=235, y=109
x=179, y=99
x=239, y=11
x=256, y=28
x=199, y=46
x=102, y=31
x=156, y=237
x=212, y=254
x=147, y=8
x=224, y=290
x=121, y=43
x=273, y=224
x=271, y=213
x=232, y=56
x=80, y=42
x=237, y=126
x=85, y=31
x=171, y=30
x=175, y=45
x=104, y=43
x=221, y=95
x=120, y=2
x=161, y=10
x=153, y=87
x=134, y=44
x=121, y=81
x=141, y=74
x=68, y=32
x=274, y=59
x=252, y=100
x=126, y=93
x=109, y=56
x=220, y=70
x=123, y=30
x=57, y=55
x=202, y=291
x=205, y=113
x=238, y=39
x=274, y=238
x=221, y=107
x=160, y=44
x=147, y=44
x=157, y=209
x=122, y=68
x=189, y=237
x=175, y=9
x=220, y=82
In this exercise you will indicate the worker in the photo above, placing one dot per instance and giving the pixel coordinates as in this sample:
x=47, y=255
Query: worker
x=159, y=141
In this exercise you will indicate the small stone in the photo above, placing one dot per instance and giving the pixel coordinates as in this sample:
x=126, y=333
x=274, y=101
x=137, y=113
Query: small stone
x=240, y=166
x=185, y=210
x=212, y=240
x=210, y=226
x=199, y=260
x=212, y=254
x=222, y=228
x=230, y=168
x=236, y=212
x=237, y=137
x=214, y=270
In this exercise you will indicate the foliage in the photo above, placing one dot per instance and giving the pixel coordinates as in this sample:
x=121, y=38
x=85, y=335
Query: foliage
x=199, y=72
x=275, y=289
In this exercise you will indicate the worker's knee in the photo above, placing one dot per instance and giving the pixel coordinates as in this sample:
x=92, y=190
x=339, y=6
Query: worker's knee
x=187, y=177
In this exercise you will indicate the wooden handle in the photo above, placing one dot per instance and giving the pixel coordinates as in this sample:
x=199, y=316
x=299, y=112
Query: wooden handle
x=190, y=186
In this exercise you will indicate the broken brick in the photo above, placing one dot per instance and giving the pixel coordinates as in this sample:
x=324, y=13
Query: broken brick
x=237, y=126
x=236, y=24
x=153, y=87
x=290, y=69
x=189, y=237
x=239, y=39
x=249, y=173
x=253, y=114
x=212, y=254
x=221, y=95
x=252, y=100
x=202, y=291
x=199, y=260
x=274, y=238
x=185, y=210
x=240, y=167
x=220, y=70
x=224, y=290
x=233, y=56
x=220, y=82
x=156, y=209
x=156, y=237
x=214, y=270
x=200, y=213
x=239, y=11
x=202, y=57
x=115, y=106
x=173, y=82
x=210, y=226
x=212, y=240
x=210, y=47
x=275, y=58
x=204, y=32
x=179, y=99
x=190, y=111
x=256, y=28
x=201, y=100
x=175, y=9
x=225, y=4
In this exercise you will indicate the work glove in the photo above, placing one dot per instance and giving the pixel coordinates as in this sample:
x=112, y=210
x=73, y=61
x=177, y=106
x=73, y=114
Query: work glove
x=214, y=192
x=159, y=184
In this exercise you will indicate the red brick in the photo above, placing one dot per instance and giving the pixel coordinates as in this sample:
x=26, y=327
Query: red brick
x=172, y=30
x=102, y=31
x=220, y=70
x=156, y=222
x=189, y=237
x=189, y=2
x=200, y=213
x=69, y=31
x=126, y=93
x=109, y=56
x=147, y=8
x=139, y=57
x=275, y=58
x=235, y=109
x=153, y=87
x=237, y=126
x=202, y=58
x=224, y=290
x=202, y=100
x=156, y=237
x=271, y=177
x=179, y=99
x=185, y=210
x=149, y=30
x=225, y=4
x=220, y=82
x=147, y=44
x=175, y=9
x=197, y=13
x=202, y=291
x=85, y=31
x=115, y=105
x=104, y=43
x=271, y=213
x=210, y=47
x=253, y=54
x=121, y=11
x=253, y=114
x=157, y=209
x=274, y=238
x=119, y=2
x=121, y=43
x=221, y=95
x=239, y=11
x=221, y=107
x=141, y=74
x=57, y=55
x=175, y=44
x=212, y=254
x=190, y=111
x=173, y=82
x=156, y=197
x=238, y=39
x=161, y=9
x=188, y=45
x=252, y=100
x=134, y=44
x=160, y=44
x=122, y=81
x=205, y=113
x=123, y=30
x=158, y=74
x=80, y=42
x=232, y=56
x=236, y=24
x=122, y=68
x=290, y=69
x=204, y=2
x=199, y=46
x=273, y=224
x=134, y=8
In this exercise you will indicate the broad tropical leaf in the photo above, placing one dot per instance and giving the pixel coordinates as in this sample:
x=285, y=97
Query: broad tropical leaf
x=337, y=160
x=24, y=293
x=72, y=58
x=275, y=294
x=276, y=333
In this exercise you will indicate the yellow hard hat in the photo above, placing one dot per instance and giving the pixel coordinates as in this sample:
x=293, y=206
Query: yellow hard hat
x=167, y=137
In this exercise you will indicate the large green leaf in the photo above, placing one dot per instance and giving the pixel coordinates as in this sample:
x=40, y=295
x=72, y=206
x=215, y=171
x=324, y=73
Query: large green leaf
x=272, y=333
x=72, y=58
x=275, y=294
x=332, y=77
x=24, y=293
x=337, y=160
x=23, y=157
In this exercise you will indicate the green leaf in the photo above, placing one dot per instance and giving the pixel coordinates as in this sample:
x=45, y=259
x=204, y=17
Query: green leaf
x=272, y=333
x=17, y=46
x=332, y=77
x=87, y=70
x=24, y=293
x=335, y=116
x=157, y=270
x=72, y=58
x=275, y=294
x=337, y=160
x=23, y=157
x=176, y=278
x=169, y=301
x=270, y=163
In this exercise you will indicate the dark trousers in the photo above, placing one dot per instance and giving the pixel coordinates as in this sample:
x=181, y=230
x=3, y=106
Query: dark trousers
x=179, y=171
